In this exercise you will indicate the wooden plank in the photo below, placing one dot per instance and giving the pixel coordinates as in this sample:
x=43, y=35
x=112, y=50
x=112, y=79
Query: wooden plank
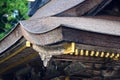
x=12, y=54
x=31, y=56
x=78, y=58
x=91, y=38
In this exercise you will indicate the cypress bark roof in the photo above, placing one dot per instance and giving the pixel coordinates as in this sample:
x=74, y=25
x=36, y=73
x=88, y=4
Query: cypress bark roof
x=48, y=27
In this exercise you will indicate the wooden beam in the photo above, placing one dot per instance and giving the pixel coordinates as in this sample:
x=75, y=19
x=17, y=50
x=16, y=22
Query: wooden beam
x=13, y=54
x=78, y=58
x=31, y=56
x=91, y=38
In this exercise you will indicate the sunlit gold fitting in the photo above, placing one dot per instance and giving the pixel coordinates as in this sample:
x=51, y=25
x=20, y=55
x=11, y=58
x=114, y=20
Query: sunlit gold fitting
x=107, y=55
x=28, y=44
x=97, y=54
x=117, y=56
x=69, y=48
x=87, y=53
x=92, y=53
x=112, y=55
x=76, y=51
x=102, y=54
x=81, y=52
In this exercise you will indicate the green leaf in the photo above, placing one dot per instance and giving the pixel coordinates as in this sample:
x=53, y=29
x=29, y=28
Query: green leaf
x=8, y=7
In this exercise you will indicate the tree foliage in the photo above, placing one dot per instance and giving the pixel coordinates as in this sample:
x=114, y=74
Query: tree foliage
x=11, y=11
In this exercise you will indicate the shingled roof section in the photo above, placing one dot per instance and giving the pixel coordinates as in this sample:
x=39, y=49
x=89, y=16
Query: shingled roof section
x=50, y=25
x=34, y=6
x=70, y=8
x=37, y=31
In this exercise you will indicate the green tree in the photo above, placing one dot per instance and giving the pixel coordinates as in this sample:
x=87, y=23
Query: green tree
x=11, y=11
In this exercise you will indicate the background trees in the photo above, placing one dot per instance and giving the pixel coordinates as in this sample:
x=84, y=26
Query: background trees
x=11, y=11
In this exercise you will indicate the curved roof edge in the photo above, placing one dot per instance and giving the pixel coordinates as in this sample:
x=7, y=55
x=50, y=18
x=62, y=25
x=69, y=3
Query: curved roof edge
x=54, y=7
x=106, y=25
x=10, y=39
